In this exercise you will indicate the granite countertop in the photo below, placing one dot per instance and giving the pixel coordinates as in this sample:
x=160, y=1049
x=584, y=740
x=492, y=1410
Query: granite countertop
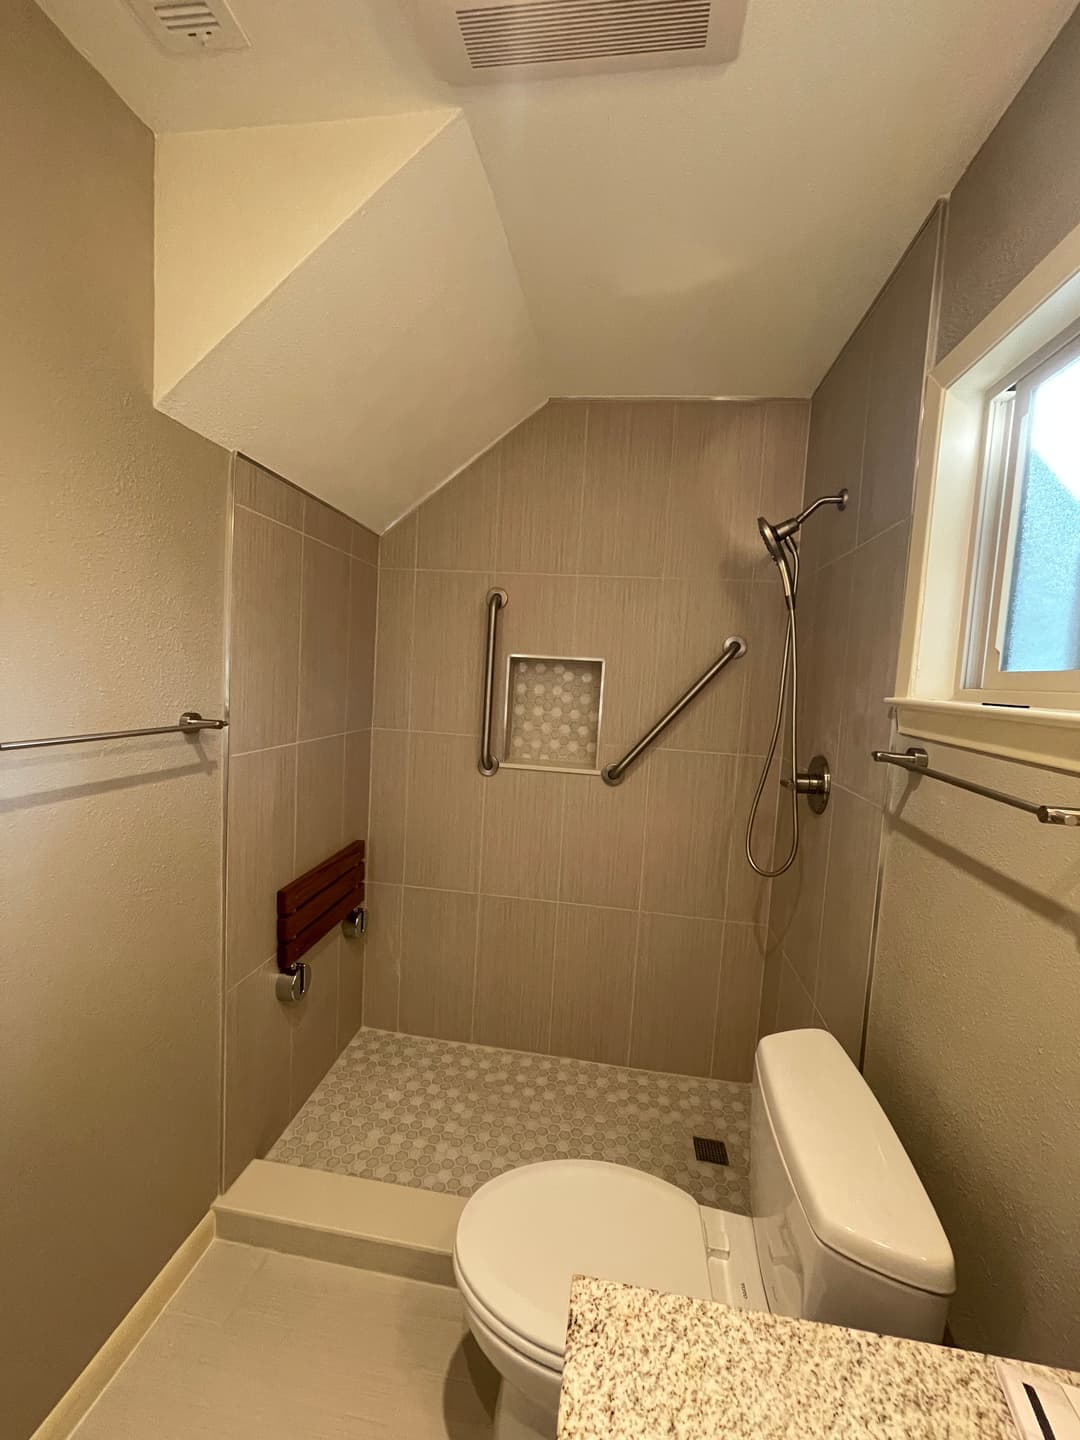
x=640, y=1364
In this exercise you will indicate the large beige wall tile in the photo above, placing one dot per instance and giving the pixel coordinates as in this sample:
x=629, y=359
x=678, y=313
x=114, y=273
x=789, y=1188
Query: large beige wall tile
x=350, y=1013
x=320, y=791
x=715, y=491
x=365, y=545
x=262, y=800
x=448, y=651
x=264, y=669
x=389, y=795
x=627, y=479
x=748, y=894
x=696, y=617
x=794, y=1007
x=457, y=524
x=848, y=917
x=438, y=963
x=901, y=323
x=393, y=649
x=397, y=547
x=687, y=835
x=770, y=985
x=879, y=573
x=313, y=1021
x=382, y=956
x=324, y=641
x=322, y=522
x=766, y=630
x=538, y=619
x=543, y=463
x=739, y=1004
x=442, y=825
x=783, y=465
x=603, y=838
x=823, y=626
x=261, y=490
x=594, y=980
x=522, y=833
x=257, y=1049
x=357, y=786
x=675, y=993
x=799, y=894
x=363, y=613
x=514, y=964
x=835, y=451
x=617, y=622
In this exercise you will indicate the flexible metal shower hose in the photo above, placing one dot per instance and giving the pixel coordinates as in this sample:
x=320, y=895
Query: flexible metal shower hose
x=790, y=663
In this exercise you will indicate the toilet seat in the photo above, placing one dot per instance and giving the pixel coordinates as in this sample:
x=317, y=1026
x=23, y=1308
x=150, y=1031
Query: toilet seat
x=524, y=1235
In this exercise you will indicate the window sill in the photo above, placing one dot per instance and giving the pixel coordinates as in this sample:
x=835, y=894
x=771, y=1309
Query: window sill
x=1050, y=738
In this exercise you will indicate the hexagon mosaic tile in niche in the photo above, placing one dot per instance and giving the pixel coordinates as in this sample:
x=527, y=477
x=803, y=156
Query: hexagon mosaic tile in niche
x=553, y=712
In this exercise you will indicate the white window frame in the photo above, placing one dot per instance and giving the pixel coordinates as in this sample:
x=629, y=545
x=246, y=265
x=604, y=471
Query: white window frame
x=946, y=571
x=980, y=677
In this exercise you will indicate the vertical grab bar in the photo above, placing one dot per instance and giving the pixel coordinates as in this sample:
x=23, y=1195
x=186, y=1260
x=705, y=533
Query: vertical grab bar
x=495, y=601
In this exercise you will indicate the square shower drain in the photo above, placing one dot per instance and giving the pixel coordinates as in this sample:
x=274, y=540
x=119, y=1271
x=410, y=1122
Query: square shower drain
x=713, y=1152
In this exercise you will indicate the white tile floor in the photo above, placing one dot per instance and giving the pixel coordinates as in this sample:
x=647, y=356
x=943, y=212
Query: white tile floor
x=446, y=1117
x=262, y=1346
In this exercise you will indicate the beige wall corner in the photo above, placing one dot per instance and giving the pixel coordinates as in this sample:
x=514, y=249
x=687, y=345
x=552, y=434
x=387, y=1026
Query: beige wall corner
x=369, y=360
x=74, y=1404
x=235, y=212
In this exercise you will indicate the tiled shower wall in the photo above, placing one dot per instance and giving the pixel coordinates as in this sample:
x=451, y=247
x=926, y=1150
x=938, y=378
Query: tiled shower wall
x=545, y=911
x=864, y=430
x=301, y=648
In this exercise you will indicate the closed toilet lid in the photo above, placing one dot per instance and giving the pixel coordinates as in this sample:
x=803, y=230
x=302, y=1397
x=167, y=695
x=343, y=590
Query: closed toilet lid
x=524, y=1235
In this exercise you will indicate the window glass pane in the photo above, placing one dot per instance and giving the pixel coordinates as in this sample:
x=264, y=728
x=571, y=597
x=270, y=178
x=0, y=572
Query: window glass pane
x=1042, y=626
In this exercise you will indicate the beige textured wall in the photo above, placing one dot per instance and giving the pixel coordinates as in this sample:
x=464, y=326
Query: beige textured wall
x=547, y=912
x=972, y=1045
x=1019, y=196
x=974, y=1007
x=112, y=552
x=301, y=647
x=863, y=430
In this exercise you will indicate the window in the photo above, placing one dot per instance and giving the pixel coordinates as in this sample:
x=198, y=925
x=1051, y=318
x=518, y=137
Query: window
x=1023, y=645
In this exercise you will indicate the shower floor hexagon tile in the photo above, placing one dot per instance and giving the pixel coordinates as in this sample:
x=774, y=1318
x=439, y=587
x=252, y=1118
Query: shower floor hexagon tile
x=446, y=1116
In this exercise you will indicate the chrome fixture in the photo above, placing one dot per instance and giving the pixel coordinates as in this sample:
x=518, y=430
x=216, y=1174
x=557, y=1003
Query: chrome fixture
x=355, y=923
x=780, y=541
x=915, y=759
x=815, y=782
x=190, y=723
x=734, y=647
x=293, y=985
x=496, y=601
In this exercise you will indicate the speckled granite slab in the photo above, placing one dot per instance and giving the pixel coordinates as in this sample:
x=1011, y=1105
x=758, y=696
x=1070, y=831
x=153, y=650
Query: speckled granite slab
x=639, y=1365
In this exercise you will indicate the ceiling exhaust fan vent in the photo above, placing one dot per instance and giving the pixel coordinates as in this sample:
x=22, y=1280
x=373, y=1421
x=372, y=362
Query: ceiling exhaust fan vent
x=502, y=40
x=191, y=27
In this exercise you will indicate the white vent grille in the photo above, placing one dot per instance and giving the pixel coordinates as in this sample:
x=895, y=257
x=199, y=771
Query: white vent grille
x=186, y=27
x=551, y=31
x=480, y=41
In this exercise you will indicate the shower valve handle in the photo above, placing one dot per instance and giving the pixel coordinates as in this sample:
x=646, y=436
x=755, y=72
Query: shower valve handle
x=815, y=782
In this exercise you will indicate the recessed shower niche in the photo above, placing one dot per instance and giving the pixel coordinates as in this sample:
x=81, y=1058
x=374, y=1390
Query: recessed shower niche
x=553, y=711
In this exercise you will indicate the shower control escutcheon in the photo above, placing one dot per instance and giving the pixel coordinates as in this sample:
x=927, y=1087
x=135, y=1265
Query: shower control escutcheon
x=815, y=782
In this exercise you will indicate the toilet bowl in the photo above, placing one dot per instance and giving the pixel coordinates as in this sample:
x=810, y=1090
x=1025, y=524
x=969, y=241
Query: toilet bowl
x=841, y=1230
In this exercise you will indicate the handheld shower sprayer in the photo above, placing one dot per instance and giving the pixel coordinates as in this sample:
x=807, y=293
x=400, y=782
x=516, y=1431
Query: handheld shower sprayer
x=780, y=542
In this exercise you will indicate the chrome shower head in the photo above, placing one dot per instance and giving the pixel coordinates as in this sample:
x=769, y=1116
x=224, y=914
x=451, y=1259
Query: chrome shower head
x=775, y=537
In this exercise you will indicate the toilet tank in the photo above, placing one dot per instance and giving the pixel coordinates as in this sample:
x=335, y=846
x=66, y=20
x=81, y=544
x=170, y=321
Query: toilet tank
x=845, y=1232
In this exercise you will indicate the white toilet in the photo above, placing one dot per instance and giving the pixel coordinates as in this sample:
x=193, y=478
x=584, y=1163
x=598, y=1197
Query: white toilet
x=841, y=1231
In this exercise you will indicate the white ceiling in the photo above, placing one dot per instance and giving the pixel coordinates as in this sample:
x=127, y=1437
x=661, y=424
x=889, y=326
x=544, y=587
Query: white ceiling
x=685, y=232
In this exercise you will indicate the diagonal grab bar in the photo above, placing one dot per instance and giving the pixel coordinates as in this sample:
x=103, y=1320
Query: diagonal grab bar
x=734, y=647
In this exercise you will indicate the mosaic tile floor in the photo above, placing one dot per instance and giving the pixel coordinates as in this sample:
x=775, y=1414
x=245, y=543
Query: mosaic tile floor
x=446, y=1116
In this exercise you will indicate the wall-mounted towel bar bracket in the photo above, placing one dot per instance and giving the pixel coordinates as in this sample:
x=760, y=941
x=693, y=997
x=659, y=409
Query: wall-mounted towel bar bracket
x=190, y=723
x=734, y=647
x=915, y=759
